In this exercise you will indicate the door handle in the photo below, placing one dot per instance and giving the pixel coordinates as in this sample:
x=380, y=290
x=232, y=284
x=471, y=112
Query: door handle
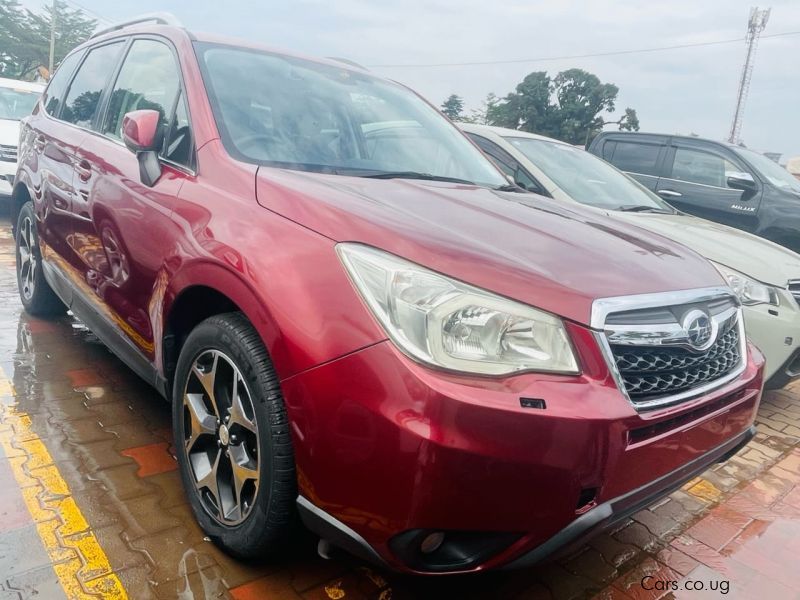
x=84, y=170
x=669, y=193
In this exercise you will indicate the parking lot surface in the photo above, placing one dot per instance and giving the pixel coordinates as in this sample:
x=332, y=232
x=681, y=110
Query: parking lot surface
x=91, y=503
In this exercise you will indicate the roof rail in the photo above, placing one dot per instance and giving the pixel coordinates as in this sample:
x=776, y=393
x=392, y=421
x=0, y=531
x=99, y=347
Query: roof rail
x=161, y=18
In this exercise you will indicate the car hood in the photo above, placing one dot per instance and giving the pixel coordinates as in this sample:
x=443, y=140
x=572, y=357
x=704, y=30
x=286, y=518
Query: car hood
x=556, y=257
x=749, y=254
x=9, y=132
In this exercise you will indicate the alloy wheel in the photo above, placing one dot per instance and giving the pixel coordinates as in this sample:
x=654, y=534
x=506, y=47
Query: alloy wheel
x=27, y=261
x=221, y=437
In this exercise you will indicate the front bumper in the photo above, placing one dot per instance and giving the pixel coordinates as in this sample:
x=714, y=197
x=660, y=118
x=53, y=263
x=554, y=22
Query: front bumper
x=388, y=451
x=775, y=330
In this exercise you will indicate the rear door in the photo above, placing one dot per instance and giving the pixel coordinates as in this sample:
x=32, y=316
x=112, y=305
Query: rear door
x=49, y=149
x=640, y=157
x=696, y=181
x=124, y=226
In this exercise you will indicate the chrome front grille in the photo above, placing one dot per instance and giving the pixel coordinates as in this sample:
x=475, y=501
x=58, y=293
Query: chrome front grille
x=669, y=348
x=653, y=373
x=794, y=289
x=8, y=153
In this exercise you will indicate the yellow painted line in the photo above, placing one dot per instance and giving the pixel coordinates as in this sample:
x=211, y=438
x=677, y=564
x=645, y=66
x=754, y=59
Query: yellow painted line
x=78, y=560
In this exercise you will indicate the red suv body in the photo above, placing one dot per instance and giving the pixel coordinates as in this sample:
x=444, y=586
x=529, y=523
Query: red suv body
x=392, y=381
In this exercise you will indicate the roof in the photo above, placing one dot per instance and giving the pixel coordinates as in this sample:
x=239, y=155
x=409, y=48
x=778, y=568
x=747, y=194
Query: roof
x=505, y=132
x=28, y=86
x=164, y=23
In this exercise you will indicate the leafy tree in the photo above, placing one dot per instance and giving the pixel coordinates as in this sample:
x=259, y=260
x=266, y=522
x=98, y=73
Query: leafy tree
x=25, y=36
x=480, y=116
x=453, y=107
x=568, y=107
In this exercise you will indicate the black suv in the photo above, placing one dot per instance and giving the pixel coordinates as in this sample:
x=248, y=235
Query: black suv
x=718, y=181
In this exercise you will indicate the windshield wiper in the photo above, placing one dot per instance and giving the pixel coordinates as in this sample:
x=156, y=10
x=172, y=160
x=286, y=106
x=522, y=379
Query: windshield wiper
x=643, y=208
x=415, y=175
x=511, y=187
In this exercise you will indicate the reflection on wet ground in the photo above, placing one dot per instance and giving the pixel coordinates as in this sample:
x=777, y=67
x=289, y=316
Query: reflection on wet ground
x=91, y=502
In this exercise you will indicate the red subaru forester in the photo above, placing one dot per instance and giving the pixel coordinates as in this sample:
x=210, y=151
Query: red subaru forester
x=358, y=321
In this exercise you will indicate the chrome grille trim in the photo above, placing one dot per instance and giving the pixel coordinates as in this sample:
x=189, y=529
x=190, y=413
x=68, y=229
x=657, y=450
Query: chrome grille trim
x=8, y=153
x=728, y=319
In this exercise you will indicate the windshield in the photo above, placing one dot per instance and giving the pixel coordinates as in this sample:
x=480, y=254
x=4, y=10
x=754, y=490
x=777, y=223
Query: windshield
x=586, y=178
x=292, y=113
x=16, y=104
x=776, y=174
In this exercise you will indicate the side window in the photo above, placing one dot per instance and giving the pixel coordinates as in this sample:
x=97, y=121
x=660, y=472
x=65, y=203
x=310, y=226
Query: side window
x=84, y=93
x=54, y=94
x=696, y=166
x=608, y=150
x=178, y=139
x=507, y=163
x=636, y=158
x=148, y=79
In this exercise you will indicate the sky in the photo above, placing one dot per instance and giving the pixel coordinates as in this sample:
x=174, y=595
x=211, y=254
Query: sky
x=691, y=90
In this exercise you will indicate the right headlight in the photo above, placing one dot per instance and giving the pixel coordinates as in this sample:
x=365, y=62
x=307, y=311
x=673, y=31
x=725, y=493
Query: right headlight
x=453, y=325
x=749, y=290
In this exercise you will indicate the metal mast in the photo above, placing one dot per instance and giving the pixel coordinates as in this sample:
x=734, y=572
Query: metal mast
x=756, y=24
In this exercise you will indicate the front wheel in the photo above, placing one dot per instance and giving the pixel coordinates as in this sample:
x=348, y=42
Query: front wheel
x=37, y=296
x=232, y=438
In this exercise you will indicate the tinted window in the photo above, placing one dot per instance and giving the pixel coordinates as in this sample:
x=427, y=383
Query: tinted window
x=54, y=94
x=178, y=140
x=697, y=166
x=507, y=163
x=84, y=93
x=636, y=158
x=148, y=79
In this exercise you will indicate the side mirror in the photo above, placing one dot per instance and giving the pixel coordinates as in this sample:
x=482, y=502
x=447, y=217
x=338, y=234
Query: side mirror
x=740, y=181
x=143, y=136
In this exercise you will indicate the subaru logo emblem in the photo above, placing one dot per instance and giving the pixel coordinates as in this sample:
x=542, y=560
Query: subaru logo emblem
x=701, y=330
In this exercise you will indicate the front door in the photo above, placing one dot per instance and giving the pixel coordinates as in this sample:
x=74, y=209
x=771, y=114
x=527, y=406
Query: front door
x=697, y=182
x=124, y=226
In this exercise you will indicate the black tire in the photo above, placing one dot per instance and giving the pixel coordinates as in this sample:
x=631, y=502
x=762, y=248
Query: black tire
x=38, y=298
x=266, y=523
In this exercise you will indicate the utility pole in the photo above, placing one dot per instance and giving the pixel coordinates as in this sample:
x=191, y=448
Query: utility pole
x=756, y=24
x=52, y=39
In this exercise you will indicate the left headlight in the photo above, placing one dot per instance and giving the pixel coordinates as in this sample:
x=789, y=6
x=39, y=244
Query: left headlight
x=749, y=290
x=453, y=325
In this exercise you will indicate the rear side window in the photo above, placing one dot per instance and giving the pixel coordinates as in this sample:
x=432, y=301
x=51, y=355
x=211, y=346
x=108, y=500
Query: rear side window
x=54, y=94
x=148, y=80
x=83, y=97
x=636, y=158
x=696, y=166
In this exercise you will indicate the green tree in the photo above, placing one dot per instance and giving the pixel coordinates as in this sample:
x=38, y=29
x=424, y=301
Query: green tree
x=568, y=107
x=453, y=107
x=25, y=36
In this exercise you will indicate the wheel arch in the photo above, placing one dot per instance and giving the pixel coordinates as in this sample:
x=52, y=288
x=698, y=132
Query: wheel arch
x=20, y=195
x=204, y=290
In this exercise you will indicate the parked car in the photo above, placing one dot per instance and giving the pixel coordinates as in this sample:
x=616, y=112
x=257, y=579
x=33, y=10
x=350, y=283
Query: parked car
x=714, y=180
x=765, y=276
x=16, y=101
x=357, y=323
